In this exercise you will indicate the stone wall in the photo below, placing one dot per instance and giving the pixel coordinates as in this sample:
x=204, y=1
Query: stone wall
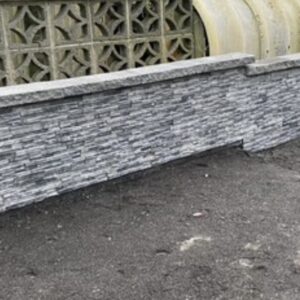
x=63, y=135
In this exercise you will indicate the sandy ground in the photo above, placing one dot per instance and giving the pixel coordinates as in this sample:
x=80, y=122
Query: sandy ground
x=225, y=225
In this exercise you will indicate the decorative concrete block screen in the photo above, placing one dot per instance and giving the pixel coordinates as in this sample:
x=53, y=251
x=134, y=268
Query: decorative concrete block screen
x=62, y=135
x=48, y=40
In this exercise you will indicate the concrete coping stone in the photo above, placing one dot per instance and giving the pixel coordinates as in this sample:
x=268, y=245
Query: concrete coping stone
x=66, y=88
x=275, y=64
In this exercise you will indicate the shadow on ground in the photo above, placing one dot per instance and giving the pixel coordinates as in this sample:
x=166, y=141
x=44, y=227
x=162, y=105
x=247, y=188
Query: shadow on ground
x=221, y=226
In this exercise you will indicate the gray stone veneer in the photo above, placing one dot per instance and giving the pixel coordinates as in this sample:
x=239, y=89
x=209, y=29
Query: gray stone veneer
x=63, y=135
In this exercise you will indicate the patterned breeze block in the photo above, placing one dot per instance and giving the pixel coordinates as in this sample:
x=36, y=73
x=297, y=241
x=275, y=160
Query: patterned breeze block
x=48, y=40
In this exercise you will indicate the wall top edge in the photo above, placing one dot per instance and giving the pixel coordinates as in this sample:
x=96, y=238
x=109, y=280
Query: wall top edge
x=59, y=89
x=275, y=64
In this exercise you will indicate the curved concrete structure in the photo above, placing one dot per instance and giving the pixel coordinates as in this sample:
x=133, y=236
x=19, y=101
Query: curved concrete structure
x=265, y=28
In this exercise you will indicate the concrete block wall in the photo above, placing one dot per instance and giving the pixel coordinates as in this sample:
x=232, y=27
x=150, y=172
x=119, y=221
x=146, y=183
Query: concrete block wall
x=63, y=135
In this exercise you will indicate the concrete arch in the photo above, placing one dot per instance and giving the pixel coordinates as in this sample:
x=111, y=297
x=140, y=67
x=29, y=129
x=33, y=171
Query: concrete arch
x=265, y=28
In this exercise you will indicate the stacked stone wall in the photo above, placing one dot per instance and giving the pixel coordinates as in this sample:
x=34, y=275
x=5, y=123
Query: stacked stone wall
x=63, y=135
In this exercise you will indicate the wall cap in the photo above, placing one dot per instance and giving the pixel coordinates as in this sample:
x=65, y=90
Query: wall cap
x=275, y=64
x=60, y=89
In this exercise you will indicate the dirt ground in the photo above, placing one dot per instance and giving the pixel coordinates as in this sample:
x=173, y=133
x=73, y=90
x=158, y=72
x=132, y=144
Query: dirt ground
x=224, y=225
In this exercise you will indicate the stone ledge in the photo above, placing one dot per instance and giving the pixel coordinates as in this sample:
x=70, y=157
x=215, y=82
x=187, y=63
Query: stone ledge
x=60, y=89
x=275, y=64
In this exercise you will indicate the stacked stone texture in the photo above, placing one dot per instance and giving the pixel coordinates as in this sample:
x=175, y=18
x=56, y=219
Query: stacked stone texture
x=64, y=135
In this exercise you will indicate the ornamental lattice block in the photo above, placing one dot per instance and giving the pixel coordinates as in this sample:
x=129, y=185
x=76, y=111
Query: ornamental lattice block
x=109, y=20
x=25, y=25
x=71, y=23
x=31, y=66
x=48, y=40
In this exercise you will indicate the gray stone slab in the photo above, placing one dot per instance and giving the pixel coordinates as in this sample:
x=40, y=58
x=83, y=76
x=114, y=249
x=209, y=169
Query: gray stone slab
x=60, y=89
x=275, y=64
